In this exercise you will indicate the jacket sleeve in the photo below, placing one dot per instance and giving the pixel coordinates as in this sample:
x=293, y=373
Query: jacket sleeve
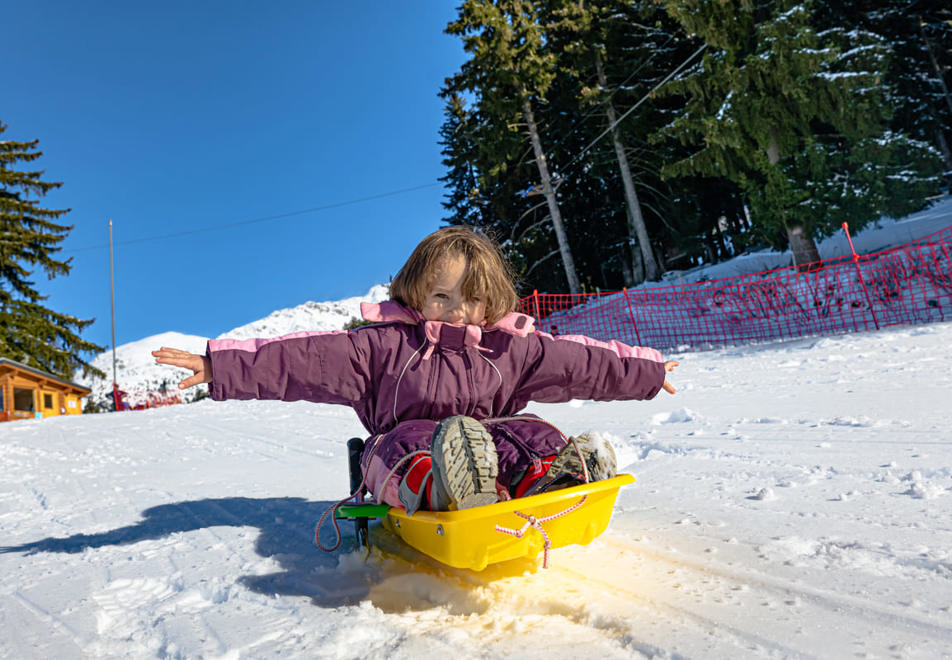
x=324, y=367
x=570, y=367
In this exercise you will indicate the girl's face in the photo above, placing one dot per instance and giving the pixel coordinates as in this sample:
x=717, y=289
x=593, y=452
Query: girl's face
x=444, y=300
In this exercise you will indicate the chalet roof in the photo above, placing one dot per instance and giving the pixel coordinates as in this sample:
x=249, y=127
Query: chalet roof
x=43, y=374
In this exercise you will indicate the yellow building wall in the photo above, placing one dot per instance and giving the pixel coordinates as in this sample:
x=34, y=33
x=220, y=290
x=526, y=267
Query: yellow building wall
x=74, y=404
x=47, y=400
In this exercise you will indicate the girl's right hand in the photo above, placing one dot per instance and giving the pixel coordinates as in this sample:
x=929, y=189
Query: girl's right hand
x=669, y=367
x=200, y=365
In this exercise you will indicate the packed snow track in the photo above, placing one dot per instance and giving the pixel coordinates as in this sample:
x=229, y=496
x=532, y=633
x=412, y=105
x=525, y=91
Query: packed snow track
x=792, y=500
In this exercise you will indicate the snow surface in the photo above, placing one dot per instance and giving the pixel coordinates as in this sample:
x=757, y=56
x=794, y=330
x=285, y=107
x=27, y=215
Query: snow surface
x=792, y=500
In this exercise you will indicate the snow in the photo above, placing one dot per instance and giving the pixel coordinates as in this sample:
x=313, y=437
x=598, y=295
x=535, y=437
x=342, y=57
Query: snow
x=311, y=316
x=136, y=371
x=792, y=499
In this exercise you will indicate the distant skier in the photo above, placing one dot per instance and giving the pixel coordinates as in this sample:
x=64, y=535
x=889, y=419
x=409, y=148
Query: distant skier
x=439, y=380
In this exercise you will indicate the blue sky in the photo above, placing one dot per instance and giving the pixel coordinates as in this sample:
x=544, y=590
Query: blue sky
x=189, y=123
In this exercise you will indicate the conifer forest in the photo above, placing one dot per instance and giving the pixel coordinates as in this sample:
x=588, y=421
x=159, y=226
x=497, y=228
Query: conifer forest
x=605, y=142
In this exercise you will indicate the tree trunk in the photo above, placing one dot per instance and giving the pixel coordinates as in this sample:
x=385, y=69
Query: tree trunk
x=802, y=247
x=943, y=148
x=935, y=65
x=637, y=232
x=549, y=193
x=940, y=136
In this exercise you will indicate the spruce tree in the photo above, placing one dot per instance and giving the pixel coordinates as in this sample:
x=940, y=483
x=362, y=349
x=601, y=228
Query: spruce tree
x=510, y=71
x=29, y=239
x=796, y=119
x=919, y=36
x=491, y=171
x=617, y=51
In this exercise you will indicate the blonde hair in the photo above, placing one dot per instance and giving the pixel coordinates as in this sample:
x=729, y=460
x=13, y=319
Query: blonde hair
x=489, y=277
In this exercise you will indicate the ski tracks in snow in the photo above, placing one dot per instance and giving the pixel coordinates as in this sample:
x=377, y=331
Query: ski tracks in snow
x=622, y=597
x=791, y=501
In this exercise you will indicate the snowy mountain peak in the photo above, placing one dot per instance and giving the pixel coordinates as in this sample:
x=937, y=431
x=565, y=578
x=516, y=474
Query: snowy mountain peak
x=136, y=371
x=311, y=316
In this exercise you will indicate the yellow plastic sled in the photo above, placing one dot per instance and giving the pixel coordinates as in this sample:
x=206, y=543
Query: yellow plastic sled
x=520, y=528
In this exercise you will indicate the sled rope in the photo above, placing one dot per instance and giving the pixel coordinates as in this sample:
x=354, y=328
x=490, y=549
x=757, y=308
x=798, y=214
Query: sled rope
x=333, y=508
x=536, y=523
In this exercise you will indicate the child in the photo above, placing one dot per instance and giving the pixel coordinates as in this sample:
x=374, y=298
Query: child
x=439, y=380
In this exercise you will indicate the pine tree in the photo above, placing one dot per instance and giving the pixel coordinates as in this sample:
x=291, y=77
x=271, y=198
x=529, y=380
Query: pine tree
x=510, y=72
x=491, y=171
x=919, y=36
x=460, y=150
x=591, y=33
x=642, y=47
x=29, y=238
x=795, y=118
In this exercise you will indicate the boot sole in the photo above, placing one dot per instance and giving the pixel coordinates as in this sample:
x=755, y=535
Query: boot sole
x=568, y=461
x=465, y=461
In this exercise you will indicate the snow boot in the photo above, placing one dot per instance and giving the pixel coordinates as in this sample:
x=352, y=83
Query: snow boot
x=567, y=469
x=464, y=465
x=417, y=485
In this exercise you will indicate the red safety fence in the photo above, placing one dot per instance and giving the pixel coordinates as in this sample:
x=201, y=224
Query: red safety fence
x=142, y=399
x=907, y=285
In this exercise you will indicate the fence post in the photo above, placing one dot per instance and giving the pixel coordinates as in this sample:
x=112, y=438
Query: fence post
x=632, y=315
x=535, y=303
x=859, y=272
x=948, y=261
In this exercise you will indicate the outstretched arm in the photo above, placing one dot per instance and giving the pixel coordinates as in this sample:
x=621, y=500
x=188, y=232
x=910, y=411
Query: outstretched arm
x=200, y=365
x=669, y=366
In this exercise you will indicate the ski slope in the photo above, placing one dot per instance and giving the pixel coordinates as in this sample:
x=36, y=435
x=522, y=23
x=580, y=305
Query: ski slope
x=792, y=500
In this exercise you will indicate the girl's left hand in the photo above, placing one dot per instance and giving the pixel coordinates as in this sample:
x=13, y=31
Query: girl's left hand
x=200, y=365
x=669, y=367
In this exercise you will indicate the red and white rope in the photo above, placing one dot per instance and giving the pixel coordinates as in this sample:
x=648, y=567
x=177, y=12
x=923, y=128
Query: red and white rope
x=536, y=523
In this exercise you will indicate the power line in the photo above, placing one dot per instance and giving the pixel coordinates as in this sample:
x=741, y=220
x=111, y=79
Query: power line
x=567, y=168
x=632, y=108
x=269, y=218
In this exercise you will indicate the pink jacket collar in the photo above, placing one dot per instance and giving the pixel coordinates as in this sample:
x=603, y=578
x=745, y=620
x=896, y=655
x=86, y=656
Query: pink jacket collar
x=514, y=323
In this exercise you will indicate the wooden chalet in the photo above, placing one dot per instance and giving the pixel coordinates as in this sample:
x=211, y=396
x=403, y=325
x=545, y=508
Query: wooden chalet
x=28, y=392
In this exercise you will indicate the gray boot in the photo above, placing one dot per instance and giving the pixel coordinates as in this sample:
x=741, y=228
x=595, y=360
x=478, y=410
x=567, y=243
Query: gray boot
x=566, y=468
x=464, y=465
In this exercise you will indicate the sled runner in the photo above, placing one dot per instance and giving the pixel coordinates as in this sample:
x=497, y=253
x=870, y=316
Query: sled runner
x=474, y=538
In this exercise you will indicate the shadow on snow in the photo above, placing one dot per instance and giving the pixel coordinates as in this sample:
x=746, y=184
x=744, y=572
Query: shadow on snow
x=286, y=526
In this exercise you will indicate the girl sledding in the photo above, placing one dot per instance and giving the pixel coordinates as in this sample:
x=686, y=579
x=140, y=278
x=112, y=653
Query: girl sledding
x=439, y=380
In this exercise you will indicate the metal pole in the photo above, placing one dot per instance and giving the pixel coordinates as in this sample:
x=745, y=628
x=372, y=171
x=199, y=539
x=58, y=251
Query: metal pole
x=112, y=294
x=859, y=273
x=631, y=313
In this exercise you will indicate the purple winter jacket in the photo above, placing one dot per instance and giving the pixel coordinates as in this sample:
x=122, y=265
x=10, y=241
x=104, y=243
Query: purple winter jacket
x=405, y=374
x=406, y=368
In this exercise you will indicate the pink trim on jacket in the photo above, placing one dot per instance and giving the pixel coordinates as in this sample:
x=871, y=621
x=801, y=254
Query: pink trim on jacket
x=390, y=311
x=616, y=347
x=253, y=345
